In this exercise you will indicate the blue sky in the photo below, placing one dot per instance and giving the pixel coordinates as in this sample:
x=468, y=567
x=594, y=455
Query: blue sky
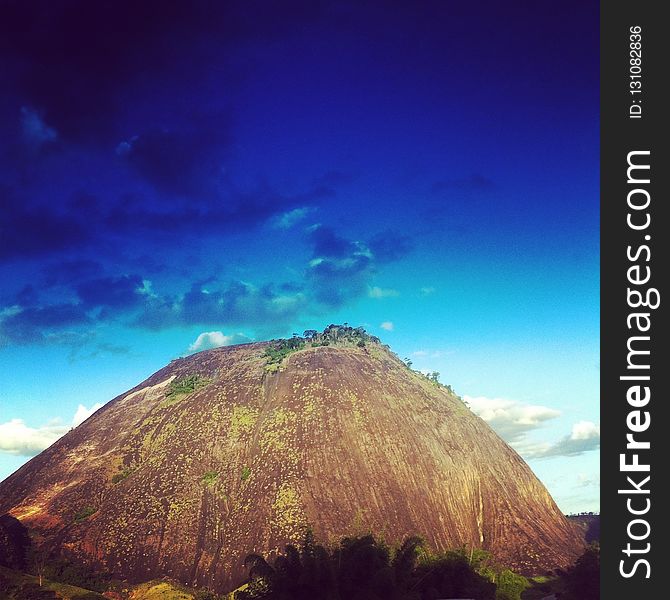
x=427, y=170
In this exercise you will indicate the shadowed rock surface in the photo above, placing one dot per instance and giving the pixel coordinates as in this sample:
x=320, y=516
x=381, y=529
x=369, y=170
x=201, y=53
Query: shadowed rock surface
x=589, y=524
x=214, y=457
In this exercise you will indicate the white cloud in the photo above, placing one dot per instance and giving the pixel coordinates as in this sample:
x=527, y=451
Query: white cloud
x=84, y=413
x=585, y=480
x=18, y=438
x=147, y=289
x=427, y=290
x=585, y=430
x=585, y=436
x=431, y=353
x=285, y=303
x=290, y=218
x=511, y=419
x=215, y=339
x=377, y=292
x=387, y=326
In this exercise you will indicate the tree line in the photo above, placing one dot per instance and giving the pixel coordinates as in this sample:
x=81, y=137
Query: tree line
x=365, y=568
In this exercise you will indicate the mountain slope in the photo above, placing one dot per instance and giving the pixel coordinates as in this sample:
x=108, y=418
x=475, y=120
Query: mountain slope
x=216, y=456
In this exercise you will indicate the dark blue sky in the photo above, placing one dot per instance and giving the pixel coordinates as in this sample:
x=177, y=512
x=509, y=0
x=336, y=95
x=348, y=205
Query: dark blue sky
x=250, y=169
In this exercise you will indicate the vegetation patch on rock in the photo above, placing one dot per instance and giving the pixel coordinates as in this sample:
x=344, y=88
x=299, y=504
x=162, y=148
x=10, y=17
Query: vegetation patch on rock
x=85, y=513
x=123, y=474
x=210, y=477
x=340, y=335
x=242, y=421
x=184, y=386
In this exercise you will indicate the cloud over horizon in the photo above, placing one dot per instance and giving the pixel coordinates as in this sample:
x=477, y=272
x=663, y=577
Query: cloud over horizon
x=20, y=439
x=513, y=421
x=584, y=437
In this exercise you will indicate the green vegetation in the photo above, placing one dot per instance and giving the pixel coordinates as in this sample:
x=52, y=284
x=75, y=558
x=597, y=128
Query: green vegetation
x=76, y=575
x=278, y=350
x=242, y=421
x=288, y=514
x=125, y=473
x=338, y=335
x=579, y=582
x=246, y=473
x=510, y=585
x=341, y=335
x=186, y=385
x=357, y=567
x=15, y=585
x=275, y=430
x=162, y=590
x=364, y=567
x=183, y=386
x=582, y=581
x=85, y=513
x=210, y=477
x=542, y=586
x=434, y=378
x=345, y=335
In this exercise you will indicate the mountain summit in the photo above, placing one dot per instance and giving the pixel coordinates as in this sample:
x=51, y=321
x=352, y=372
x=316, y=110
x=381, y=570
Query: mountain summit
x=240, y=449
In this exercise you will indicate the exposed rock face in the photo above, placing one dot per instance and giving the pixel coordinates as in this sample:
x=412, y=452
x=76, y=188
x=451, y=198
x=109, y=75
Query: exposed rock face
x=213, y=457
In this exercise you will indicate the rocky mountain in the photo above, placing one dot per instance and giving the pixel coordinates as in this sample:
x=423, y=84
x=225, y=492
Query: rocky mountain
x=239, y=449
